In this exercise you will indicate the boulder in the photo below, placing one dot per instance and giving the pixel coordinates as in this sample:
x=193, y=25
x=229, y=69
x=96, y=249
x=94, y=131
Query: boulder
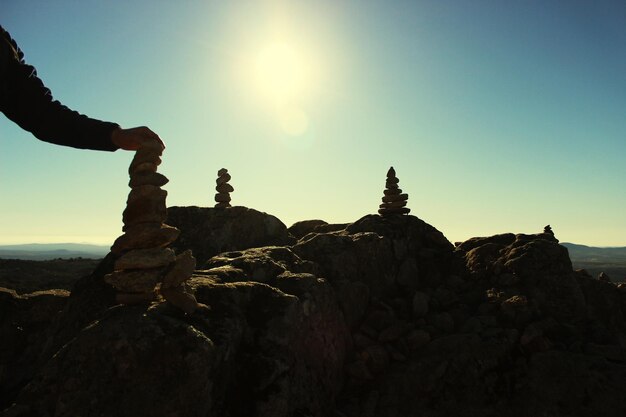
x=207, y=231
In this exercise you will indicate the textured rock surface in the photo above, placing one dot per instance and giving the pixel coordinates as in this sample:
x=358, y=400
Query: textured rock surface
x=383, y=317
x=207, y=231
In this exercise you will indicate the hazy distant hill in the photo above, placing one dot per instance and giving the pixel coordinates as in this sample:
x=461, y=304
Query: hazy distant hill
x=45, y=251
x=611, y=261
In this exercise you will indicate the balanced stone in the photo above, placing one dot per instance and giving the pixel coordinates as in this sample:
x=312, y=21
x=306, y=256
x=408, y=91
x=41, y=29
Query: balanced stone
x=392, y=191
x=181, y=270
x=145, y=259
x=394, y=204
x=142, y=280
x=146, y=192
x=144, y=157
x=145, y=167
x=144, y=211
x=548, y=229
x=145, y=235
x=393, y=201
x=222, y=179
x=391, y=198
x=181, y=299
x=224, y=188
x=147, y=178
x=222, y=198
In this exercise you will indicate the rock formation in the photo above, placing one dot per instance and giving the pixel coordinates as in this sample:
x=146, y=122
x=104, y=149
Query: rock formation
x=223, y=188
x=548, y=229
x=394, y=202
x=144, y=260
x=383, y=318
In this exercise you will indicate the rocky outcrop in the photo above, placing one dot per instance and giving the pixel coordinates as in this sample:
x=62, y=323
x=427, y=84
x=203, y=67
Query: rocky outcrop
x=24, y=320
x=209, y=231
x=384, y=317
x=303, y=228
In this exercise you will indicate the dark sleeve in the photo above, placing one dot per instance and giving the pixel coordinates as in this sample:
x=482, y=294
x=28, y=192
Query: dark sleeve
x=26, y=100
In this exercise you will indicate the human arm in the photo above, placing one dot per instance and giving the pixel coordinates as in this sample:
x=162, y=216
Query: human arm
x=25, y=100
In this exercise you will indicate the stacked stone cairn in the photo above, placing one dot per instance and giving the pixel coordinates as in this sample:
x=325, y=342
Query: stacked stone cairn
x=145, y=266
x=394, y=202
x=223, y=188
x=547, y=229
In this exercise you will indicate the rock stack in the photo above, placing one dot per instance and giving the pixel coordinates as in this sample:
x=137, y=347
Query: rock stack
x=144, y=259
x=223, y=188
x=394, y=202
x=547, y=229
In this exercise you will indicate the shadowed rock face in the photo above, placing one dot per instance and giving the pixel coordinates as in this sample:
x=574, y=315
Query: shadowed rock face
x=383, y=317
x=209, y=231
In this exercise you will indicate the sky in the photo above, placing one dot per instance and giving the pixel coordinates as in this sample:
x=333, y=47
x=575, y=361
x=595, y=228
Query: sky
x=497, y=116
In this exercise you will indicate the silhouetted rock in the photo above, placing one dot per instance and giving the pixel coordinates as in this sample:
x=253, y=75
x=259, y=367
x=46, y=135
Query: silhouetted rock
x=302, y=228
x=207, y=231
x=24, y=320
x=394, y=201
x=223, y=188
x=384, y=317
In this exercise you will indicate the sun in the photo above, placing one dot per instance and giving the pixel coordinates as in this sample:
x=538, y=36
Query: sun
x=281, y=72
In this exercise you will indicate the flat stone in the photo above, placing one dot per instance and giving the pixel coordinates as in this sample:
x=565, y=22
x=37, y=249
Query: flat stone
x=144, y=210
x=223, y=179
x=392, y=191
x=393, y=211
x=222, y=198
x=144, y=218
x=397, y=197
x=134, y=298
x=145, y=235
x=149, y=192
x=146, y=166
x=224, y=188
x=135, y=281
x=181, y=271
x=391, y=206
x=222, y=172
x=144, y=156
x=145, y=259
x=152, y=145
x=147, y=178
x=395, y=204
x=222, y=205
x=181, y=299
x=391, y=181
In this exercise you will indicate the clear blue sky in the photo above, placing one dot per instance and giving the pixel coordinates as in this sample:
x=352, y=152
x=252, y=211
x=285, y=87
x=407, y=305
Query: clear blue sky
x=498, y=116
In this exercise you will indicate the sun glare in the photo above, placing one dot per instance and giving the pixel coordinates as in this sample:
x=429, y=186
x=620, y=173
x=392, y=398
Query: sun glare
x=281, y=72
x=283, y=78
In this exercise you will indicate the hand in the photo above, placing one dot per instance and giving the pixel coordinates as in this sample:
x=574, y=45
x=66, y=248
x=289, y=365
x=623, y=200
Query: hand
x=135, y=138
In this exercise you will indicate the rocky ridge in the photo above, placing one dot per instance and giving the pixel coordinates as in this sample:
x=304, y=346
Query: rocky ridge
x=380, y=317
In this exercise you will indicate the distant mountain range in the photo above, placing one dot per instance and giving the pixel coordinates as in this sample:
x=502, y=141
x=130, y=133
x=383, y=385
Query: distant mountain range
x=611, y=261
x=46, y=251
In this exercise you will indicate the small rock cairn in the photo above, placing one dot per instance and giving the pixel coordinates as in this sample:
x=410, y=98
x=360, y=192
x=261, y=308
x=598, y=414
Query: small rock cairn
x=145, y=261
x=223, y=188
x=394, y=201
x=547, y=229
